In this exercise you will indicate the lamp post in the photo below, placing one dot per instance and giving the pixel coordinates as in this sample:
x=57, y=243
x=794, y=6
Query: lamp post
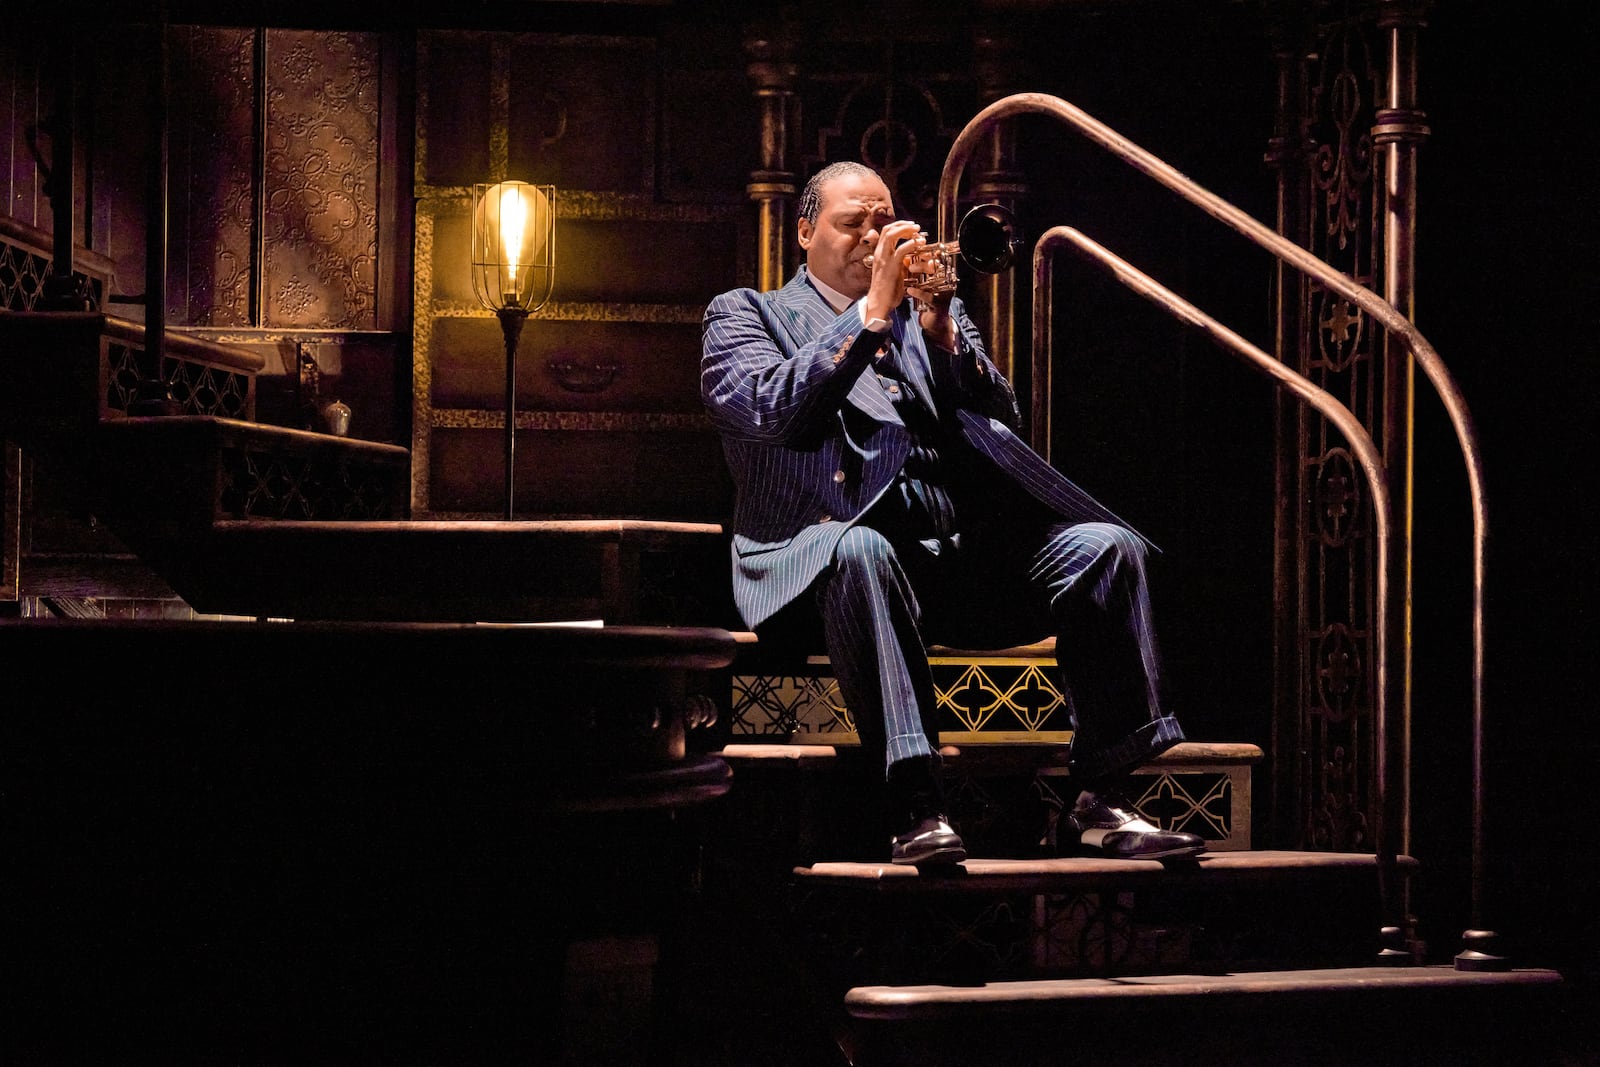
x=513, y=269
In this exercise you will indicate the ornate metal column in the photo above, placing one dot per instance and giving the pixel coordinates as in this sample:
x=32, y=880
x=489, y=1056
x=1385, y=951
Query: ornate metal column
x=773, y=78
x=1398, y=132
x=1287, y=154
x=1326, y=547
x=995, y=65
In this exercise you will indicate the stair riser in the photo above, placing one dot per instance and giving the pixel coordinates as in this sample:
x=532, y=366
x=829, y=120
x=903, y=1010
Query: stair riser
x=866, y=939
x=797, y=815
x=980, y=698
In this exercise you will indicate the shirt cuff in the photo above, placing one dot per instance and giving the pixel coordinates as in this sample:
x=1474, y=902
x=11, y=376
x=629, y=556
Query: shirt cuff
x=875, y=325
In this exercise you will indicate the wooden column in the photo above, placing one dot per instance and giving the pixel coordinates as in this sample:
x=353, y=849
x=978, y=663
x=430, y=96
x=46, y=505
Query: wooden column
x=773, y=76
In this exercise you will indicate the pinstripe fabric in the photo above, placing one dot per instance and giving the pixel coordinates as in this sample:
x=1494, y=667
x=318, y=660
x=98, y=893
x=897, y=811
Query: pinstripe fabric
x=771, y=382
x=1092, y=576
x=870, y=622
x=814, y=441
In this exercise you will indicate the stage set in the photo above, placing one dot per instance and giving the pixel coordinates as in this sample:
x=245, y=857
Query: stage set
x=374, y=689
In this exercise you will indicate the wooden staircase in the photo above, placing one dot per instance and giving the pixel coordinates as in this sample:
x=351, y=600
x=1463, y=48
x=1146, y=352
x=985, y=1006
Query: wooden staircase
x=314, y=817
x=1028, y=953
x=1239, y=956
x=724, y=901
x=269, y=522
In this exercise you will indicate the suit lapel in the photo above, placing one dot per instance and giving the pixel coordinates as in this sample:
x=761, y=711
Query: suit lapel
x=912, y=357
x=804, y=316
x=803, y=312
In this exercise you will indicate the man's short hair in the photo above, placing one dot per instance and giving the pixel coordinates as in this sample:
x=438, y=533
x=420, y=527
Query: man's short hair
x=811, y=195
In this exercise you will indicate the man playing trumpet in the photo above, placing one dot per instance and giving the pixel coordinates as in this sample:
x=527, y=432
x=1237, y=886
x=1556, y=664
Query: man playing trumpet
x=883, y=492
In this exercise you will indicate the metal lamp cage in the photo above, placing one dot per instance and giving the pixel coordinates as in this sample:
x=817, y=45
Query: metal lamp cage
x=513, y=244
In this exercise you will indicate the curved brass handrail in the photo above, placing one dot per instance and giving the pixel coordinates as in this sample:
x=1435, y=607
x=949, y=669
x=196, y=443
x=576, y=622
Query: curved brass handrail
x=1332, y=409
x=1381, y=310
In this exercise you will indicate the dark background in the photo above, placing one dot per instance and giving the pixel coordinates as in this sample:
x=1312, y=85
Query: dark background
x=1508, y=295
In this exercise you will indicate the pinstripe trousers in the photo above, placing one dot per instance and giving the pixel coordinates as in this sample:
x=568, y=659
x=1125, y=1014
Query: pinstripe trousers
x=887, y=597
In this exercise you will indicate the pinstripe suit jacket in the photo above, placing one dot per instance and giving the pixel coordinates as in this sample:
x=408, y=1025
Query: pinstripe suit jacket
x=812, y=440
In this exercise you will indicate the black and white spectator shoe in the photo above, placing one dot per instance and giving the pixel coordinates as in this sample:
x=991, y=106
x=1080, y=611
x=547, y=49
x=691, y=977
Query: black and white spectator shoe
x=1109, y=826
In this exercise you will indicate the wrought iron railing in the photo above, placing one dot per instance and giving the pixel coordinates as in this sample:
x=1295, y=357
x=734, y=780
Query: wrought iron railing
x=1390, y=773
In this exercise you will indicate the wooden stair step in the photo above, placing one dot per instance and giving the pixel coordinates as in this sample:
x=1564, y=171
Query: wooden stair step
x=178, y=473
x=997, y=754
x=1006, y=920
x=910, y=1002
x=1330, y=1017
x=435, y=570
x=1060, y=874
x=66, y=371
x=567, y=717
x=246, y=519
x=1205, y=786
x=751, y=646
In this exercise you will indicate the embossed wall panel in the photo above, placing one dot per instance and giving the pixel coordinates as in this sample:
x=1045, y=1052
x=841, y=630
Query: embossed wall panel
x=211, y=255
x=582, y=112
x=308, y=170
x=320, y=180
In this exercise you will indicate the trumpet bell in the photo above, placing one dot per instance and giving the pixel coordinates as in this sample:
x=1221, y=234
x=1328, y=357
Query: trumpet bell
x=986, y=241
x=989, y=239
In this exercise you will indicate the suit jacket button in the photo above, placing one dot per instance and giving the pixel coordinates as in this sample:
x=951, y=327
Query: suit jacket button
x=838, y=477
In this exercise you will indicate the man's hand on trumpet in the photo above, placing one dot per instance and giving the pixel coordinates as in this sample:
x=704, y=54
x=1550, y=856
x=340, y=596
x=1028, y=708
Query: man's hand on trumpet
x=890, y=259
x=933, y=304
x=902, y=254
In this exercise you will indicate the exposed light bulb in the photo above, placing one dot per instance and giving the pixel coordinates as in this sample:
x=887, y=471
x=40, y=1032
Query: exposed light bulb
x=512, y=241
x=513, y=225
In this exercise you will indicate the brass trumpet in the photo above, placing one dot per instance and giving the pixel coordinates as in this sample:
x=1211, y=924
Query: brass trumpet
x=987, y=241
